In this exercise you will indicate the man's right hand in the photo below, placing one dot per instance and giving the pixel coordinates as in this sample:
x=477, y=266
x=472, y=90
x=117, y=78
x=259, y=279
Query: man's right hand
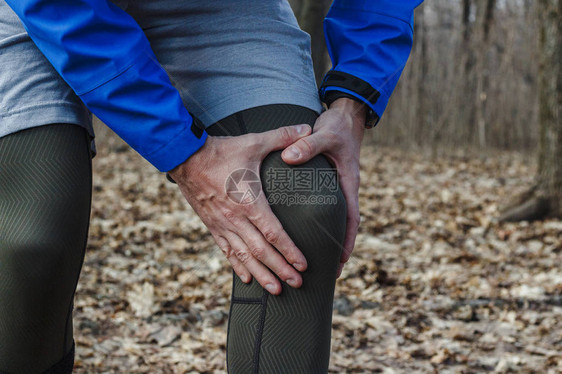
x=246, y=233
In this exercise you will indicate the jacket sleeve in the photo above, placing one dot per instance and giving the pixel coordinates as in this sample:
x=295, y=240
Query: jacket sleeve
x=104, y=56
x=370, y=41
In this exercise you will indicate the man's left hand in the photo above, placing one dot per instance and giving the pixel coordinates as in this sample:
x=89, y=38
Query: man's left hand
x=337, y=134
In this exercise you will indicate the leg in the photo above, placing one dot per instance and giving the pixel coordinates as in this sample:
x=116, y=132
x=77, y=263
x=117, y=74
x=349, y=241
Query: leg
x=45, y=194
x=251, y=58
x=289, y=333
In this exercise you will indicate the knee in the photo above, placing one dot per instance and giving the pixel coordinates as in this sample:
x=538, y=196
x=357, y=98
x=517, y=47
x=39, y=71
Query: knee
x=306, y=195
x=30, y=259
x=41, y=252
x=313, y=184
x=322, y=208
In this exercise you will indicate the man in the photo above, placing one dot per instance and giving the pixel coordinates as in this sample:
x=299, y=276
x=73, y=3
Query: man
x=243, y=70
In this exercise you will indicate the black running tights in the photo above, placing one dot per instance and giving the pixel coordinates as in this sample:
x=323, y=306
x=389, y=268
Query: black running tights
x=45, y=194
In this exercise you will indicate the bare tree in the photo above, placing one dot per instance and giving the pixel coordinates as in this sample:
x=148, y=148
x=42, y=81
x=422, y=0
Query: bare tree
x=485, y=18
x=310, y=14
x=466, y=8
x=297, y=6
x=472, y=77
x=545, y=198
x=422, y=71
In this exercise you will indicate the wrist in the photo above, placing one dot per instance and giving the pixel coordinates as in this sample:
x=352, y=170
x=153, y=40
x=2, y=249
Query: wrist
x=370, y=118
x=338, y=84
x=189, y=167
x=353, y=109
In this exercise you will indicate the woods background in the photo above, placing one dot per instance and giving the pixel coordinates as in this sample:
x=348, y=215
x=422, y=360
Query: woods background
x=471, y=80
x=439, y=281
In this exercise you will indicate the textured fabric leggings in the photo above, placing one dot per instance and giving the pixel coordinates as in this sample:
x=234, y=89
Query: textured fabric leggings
x=45, y=194
x=289, y=333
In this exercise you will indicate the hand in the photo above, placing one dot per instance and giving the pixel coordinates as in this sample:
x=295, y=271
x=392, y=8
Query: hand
x=337, y=134
x=246, y=233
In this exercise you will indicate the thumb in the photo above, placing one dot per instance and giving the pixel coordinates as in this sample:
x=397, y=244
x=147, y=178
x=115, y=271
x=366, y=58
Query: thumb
x=282, y=137
x=304, y=149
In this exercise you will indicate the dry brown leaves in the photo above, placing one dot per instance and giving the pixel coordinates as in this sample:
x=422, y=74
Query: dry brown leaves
x=435, y=285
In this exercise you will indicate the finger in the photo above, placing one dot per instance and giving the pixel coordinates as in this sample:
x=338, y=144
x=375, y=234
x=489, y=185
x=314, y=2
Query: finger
x=268, y=224
x=280, y=138
x=306, y=148
x=350, y=187
x=237, y=266
x=340, y=269
x=352, y=227
x=265, y=253
x=240, y=269
x=258, y=270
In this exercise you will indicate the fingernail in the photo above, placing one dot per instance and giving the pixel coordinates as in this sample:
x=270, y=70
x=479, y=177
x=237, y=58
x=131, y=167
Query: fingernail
x=293, y=153
x=292, y=282
x=299, y=267
x=301, y=129
x=270, y=288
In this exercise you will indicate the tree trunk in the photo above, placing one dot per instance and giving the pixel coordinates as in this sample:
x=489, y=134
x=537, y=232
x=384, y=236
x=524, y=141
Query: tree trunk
x=485, y=18
x=550, y=101
x=467, y=99
x=415, y=85
x=546, y=197
x=311, y=14
x=297, y=7
x=422, y=111
x=466, y=21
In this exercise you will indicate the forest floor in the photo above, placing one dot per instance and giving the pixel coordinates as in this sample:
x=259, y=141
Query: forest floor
x=436, y=285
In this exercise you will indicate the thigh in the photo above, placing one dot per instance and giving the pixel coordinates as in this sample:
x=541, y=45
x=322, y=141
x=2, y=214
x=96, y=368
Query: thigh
x=228, y=56
x=45, y=194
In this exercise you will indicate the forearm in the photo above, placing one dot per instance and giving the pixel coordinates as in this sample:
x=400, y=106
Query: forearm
x=369, y=43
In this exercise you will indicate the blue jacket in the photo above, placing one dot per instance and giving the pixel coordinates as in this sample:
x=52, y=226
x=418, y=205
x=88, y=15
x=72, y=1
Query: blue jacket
x=104, y=56
x=370, y=40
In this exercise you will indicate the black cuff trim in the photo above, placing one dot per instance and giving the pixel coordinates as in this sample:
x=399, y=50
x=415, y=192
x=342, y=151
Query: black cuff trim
x=331, y=96
x=197, y=127
x=170, y=179
x=349, y=82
